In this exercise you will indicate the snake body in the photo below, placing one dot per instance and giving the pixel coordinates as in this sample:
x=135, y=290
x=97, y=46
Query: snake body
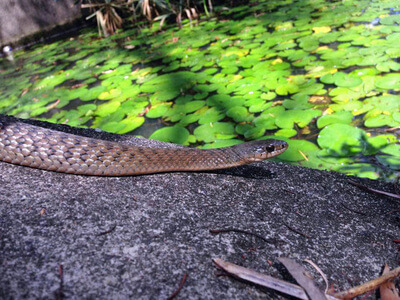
x=39, y=147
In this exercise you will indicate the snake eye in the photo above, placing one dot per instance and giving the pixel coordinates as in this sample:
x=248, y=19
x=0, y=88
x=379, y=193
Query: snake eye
x=270, y=149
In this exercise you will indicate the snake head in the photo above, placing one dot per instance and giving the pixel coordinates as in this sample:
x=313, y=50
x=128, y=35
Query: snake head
x=262, y=150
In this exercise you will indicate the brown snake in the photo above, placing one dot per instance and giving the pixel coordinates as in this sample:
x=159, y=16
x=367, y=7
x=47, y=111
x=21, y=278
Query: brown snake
x=38, y=147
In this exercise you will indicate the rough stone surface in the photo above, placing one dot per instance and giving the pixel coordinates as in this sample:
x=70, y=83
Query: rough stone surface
x=21, y=18
x=137, y=236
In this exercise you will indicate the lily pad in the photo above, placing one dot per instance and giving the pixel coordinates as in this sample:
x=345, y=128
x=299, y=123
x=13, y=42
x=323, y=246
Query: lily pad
x=363, y=170
x=211, y=115
x=287, y=133
x=389, y=81
x=107, y=108
x=131, y=123
x=343, y=80
x=215, y=131
x=389, y=161
x=378, y=143
x=113, y=127
x=107, y=95
x=298, y=102
x=300, y=117
x=158, y=110
x=239, y=114
x=342, y=140
x=173, y=134
x=222, y=143
x=298, y=150
x=343, y=117
x=93, y=93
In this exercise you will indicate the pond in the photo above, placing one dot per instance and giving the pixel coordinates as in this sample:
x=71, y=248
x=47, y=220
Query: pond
x=323, y=76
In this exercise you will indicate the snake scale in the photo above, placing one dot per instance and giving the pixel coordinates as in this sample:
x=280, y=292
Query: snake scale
x=39, y=147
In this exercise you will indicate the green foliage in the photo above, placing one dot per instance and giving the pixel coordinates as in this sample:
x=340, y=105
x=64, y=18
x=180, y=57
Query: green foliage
x=173, y=134
x=110, y=13
x=319, y=75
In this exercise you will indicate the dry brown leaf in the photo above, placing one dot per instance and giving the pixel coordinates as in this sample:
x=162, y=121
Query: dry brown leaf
x=388, y=290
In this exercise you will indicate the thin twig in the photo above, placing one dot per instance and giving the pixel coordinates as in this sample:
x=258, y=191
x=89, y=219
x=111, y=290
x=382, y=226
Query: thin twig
x=320, y=272
x=374, y=190
x=368, y=286
x=296, y=231
x=108, y=231
x=263, y=279
x=352, y=210
x=59, y=292
x=174, y=294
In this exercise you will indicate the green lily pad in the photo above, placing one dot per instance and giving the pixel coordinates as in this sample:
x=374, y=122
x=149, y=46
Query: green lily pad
x=189, y=119
x=327, y=78
x=344, y=94
x=222, y=143
x=107, y=95
x=193, y=106
x=259, y=105
x=158, y=110
x=52, y=80
x=343, y=117
x=93, y=93
x=353, y=106
x=38, y=111
x=265, y=122
x=164, y=95
x=298, y=102
x=218, y=100
x=378, y=143
x=238, y=113
x=389, y=161
x=392, y=149
x=254, y=133
x=287, y=133
x=214, y=131
x=344, y=80
x=243, y=127
x=130, y=124
x=107, y=108
x=342, y=139
x=380, y=120
x=363, y=170
x=211, y=115
x=388, y=82
x=113, y=127
x=300, y=117
x=171, y=82
x=388, y=66
x=287, y=88
x=390, y=20
x=309, y=43
x=297, y=150
x=173, y=134
x=87, y=108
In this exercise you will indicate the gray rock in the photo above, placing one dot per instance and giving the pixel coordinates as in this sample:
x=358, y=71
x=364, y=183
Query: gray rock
x=137, y=236
x=22, y=18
